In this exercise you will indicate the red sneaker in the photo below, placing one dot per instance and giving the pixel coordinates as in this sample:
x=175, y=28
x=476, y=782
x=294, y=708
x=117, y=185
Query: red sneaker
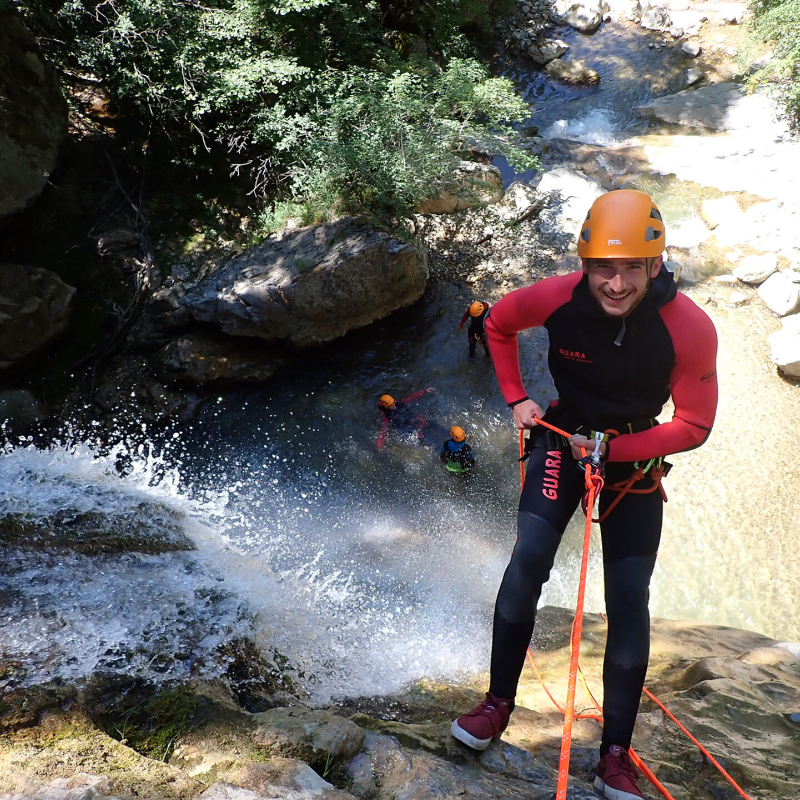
x=478, y=727
x=617, y=777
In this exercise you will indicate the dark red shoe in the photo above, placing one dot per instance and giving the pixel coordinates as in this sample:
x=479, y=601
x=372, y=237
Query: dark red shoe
x=478, y=727
x=617, y=778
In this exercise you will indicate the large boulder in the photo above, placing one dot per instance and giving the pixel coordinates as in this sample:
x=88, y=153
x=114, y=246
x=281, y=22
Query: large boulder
x=624, y=9
x=755, y=269
x=473, y=186
x=275, y=779
x=33, y=116
x=35, y=306
x=543, y=51
x=585, y=17
x=655, y=17
x=717, y=211
x=313, y=735
x=781, y=295
x=311, y=285
x=785, y=346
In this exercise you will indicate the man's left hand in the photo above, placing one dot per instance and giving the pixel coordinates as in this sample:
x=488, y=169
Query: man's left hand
x=576, y=442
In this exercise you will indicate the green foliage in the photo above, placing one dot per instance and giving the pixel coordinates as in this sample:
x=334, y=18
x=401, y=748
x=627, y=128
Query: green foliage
x=312, y=100
x=385, y=142
x=273, y=218
x=777, y=22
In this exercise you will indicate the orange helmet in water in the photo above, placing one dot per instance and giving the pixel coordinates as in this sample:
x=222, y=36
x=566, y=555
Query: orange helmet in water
x=622, y=224
x=386, y=401
x=476, y=309
x=457, y=434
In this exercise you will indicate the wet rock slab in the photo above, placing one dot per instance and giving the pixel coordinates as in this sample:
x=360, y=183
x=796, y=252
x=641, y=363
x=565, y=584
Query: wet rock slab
x=154, y=530
x=720, y=107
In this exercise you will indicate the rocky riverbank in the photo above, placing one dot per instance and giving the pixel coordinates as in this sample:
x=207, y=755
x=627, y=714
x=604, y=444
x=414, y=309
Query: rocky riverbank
x=246, y=738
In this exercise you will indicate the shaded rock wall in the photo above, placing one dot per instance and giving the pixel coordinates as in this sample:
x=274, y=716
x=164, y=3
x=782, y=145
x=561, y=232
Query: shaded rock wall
x=33, y=116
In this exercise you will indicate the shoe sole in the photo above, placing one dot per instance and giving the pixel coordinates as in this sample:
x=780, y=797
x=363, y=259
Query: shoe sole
x=467, y=738
x=610, y=793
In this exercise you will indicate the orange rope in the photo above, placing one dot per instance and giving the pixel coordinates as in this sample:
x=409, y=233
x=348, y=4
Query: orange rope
x=592, y=482
x=699, y=746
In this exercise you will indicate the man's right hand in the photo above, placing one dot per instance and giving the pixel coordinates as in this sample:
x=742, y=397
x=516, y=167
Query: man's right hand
x=526, y=413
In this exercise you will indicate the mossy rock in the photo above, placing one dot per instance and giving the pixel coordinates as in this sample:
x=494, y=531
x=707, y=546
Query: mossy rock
x=147, y=718
x=152, y=529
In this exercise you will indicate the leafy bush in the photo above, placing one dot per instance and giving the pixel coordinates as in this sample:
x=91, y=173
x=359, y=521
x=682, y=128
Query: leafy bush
x=312, y=99
x=777, y=22
x=385, y=142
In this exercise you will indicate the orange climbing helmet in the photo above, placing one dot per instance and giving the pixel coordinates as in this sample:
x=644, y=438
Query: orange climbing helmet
x=457, y=434
x=476, y=309
x=386, y=401
x=622, y=224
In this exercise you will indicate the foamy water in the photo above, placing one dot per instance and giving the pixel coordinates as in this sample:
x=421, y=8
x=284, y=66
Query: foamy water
x=359, y=601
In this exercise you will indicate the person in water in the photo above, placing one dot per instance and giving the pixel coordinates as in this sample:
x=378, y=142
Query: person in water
x=456, y=454
x=622, y=341
x=476, y=314
x=399, y=414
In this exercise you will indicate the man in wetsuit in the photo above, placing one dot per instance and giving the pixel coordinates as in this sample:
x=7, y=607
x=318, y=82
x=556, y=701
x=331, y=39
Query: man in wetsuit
x=622, y=340
x=398, y=414
x=476, y=314
x=456, y=454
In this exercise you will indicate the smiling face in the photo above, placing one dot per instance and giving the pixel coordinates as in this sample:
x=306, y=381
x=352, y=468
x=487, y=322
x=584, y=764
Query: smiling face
x=619, y=284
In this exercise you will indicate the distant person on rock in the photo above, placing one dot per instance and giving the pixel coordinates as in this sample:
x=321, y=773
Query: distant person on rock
x=456, y=454
x=399, y=414
x=476, y=314
x=622, y=341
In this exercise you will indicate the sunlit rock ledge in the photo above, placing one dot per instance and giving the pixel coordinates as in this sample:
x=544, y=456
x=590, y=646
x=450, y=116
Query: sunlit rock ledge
x=738, y=692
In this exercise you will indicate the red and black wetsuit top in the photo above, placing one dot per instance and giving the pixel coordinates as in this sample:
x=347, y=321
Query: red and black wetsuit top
x=612, y=371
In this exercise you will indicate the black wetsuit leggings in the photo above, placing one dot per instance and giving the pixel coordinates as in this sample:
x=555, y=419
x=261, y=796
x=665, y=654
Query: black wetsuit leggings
x=476, y=334
x=630, y=536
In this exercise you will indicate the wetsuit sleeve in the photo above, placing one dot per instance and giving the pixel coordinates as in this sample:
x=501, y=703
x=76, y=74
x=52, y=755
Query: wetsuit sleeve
x=414, y=396
x=384, y=430
x=464, y=319
x=521, y=309
x=693, y=384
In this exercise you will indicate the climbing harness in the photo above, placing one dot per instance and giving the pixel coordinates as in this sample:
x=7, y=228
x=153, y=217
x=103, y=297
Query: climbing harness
x=594, y=482
x=656, y=468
